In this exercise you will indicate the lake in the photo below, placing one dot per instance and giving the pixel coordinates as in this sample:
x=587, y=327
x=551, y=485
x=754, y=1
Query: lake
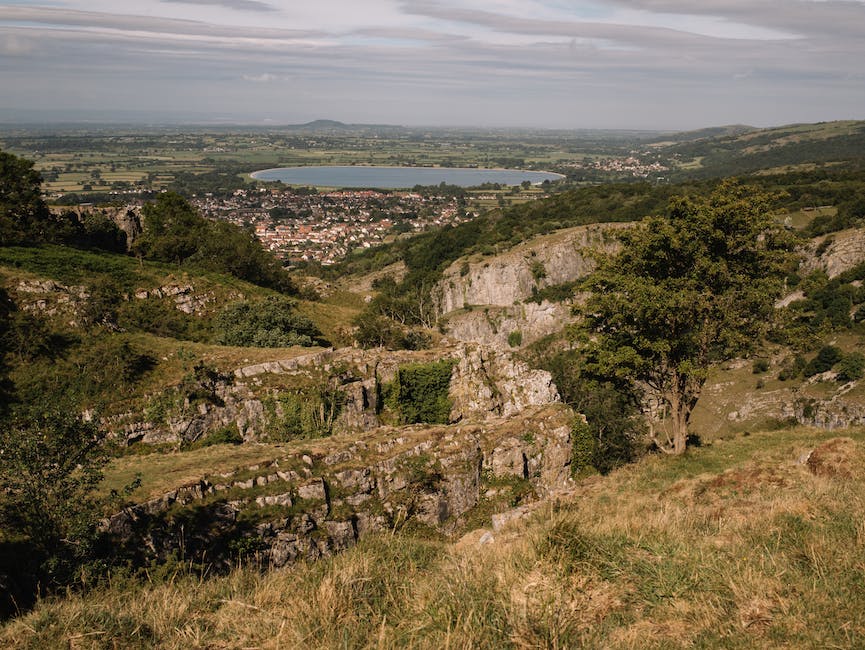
x=391, y=178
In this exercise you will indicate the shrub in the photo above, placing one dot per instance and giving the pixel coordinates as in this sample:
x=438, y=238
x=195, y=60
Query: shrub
x=539, y=272
x=420, y=392
x=273, y=323
x=582, y=449
x=824, y=246
x=792, y=368
x=611, y=412
x=416, y=340
x=826, y=358
x=851, y=367
x=515, y=339
x=308, y=413
x=223, y=436
x=50, y=465
x=760, y=366
x=554, y=292
x=161, y=318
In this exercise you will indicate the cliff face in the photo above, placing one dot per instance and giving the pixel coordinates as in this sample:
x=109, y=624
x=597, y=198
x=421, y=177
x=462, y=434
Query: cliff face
x=486, y=382
x=498, y=326
x=486, y=299
x=510, y=277
x=309, y=504
x=836, y=252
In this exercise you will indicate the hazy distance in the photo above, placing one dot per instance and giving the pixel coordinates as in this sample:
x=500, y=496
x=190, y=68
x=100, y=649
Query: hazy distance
x=649, y=64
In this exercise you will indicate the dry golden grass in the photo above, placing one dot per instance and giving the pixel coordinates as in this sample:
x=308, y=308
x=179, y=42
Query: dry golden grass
x=748, y=543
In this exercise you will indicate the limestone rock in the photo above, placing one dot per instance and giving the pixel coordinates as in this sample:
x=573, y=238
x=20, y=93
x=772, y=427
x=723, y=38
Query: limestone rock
x=493, y=326
x=845, y=250
x=314, y=491
x=275, y=500
x=510, y=277
x=487, y=381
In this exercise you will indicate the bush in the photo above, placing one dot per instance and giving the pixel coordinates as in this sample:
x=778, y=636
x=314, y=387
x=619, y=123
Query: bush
x=826, y=358
x=223, y=436
x=376, y=331
x=273, y=323
x=160, y=318
x=583, y=449
x=308, y=413
x=420, y=392
x=611, y=413
x=851, y=367
x=554, y=292
x=792, y=368
x=515, y=339
x=50, y=465
x=760, y=366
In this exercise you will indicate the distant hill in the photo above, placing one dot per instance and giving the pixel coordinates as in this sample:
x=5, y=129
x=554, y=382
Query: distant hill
x=730, y=130
x=335, y=125
x=778, y=149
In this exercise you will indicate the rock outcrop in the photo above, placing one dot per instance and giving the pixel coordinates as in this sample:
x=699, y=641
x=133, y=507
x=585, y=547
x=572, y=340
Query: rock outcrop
x=506, y=327
x=508, y=278
x=838, y=252
x=313, y=503
x=486, y=382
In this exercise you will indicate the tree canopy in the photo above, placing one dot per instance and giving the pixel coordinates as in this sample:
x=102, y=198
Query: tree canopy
x=23, y=213
x=684, y=291
x=173, y=231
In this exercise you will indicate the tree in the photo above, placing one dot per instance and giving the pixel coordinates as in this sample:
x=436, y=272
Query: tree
x=50, y=465
x=683, y=292
x=23, y=213
x=172, y=231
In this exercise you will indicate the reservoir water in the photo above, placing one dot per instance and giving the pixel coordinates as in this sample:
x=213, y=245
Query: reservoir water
x=392, y=178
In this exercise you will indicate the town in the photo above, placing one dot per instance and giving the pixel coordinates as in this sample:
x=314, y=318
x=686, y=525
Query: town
x=303, y=225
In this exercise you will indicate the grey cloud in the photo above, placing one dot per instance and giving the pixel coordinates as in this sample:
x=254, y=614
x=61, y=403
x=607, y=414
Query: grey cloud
x=628, y=34
x=16, y=45
x=803, y=17
x=239, y=5
x=420, y=71
x=409, y=34
x=126, y=22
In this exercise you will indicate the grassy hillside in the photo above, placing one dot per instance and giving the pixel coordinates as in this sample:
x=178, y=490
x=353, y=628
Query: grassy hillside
x=84, y=330
x=753, y=542
x=777, y=149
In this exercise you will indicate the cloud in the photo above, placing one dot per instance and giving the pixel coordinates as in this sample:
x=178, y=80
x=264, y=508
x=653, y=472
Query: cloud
x=239, y=5
x=577, y=62
x=93, y=20
x=262, y=78
x=803, y=17
x=15, y=45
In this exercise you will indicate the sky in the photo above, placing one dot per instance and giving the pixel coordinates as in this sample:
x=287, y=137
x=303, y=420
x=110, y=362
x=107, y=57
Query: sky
x=631, y=64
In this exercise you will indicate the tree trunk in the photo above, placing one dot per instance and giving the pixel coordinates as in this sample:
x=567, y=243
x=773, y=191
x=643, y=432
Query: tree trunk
x=679, y=423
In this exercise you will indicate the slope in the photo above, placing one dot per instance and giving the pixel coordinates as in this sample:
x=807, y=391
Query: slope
x=750, y=543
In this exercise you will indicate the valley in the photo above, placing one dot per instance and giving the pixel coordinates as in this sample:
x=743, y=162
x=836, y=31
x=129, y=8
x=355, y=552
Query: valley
x=374, y=435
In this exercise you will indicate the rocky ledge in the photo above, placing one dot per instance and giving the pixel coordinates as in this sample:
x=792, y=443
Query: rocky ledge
x=322, y=497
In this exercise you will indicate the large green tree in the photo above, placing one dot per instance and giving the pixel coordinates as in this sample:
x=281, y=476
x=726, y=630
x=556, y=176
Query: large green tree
x=173, y=231
x=23, y=213
x=50, y=465
x=683, y=292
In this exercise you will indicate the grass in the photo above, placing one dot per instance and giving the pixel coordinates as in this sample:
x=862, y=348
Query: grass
x=161, y=473
x=735, y=545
